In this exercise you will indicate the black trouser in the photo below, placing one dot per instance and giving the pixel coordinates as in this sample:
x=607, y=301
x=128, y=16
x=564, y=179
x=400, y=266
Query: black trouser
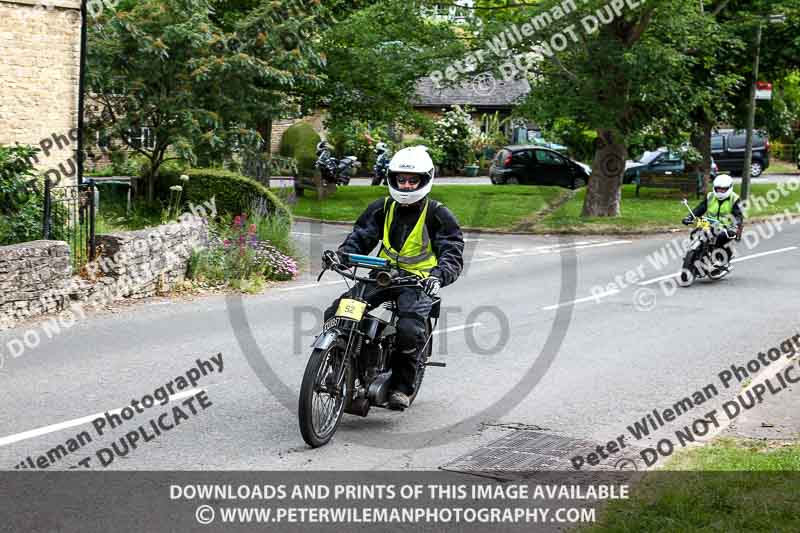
x=723, y=243
x=413, y=308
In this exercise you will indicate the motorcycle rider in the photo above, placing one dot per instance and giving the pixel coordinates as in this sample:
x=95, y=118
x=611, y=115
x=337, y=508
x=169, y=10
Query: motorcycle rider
x=381, y=150
x=724, y=205
x=418, y=235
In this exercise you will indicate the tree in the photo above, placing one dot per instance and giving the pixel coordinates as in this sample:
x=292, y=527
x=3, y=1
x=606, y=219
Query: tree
x=617, y=78
x=202, y=91
x=376, y=55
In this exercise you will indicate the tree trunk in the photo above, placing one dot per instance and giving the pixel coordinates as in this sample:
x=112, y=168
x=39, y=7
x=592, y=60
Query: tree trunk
x=265, y=129
x=701, y=140
x=604, y=190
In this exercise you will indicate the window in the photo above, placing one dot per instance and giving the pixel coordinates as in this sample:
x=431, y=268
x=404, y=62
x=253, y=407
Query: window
x=716, y=143
x=142, y=138
x=548, y=158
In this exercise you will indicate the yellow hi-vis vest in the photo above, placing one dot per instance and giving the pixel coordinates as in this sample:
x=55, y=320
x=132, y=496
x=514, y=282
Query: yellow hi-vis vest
x=416, y=256
x=721, y=210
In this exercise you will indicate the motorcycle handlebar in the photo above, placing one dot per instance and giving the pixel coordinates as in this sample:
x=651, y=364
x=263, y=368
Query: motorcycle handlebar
x=396, y=281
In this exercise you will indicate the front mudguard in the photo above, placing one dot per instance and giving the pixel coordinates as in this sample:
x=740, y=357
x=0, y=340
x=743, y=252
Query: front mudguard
x=325, y=340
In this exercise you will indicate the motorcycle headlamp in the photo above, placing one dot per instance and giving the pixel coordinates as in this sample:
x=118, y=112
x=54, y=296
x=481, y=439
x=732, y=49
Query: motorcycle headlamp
x=383, y=279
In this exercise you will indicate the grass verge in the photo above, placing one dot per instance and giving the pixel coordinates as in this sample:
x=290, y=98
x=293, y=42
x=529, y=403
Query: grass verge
x=653, y=210
x=776, y=166
x=475, y=206
x=726, y=486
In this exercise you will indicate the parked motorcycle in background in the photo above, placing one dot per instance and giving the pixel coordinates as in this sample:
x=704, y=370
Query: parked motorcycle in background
x=380, y=172
x=334, y=170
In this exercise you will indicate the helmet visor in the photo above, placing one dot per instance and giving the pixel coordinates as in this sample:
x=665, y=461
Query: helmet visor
x=721, y=189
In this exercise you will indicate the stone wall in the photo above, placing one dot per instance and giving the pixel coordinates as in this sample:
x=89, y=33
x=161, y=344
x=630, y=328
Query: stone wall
x=147, y=262
x=29, y=270
x=37, y=277
x=39, y=67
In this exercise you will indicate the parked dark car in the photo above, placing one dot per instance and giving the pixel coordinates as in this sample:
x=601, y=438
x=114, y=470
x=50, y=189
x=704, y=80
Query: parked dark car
x=728, y=147
x=660, y=162
x=534, y=165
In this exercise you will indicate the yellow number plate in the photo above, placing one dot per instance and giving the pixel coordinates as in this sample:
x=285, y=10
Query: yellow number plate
x=352, y=309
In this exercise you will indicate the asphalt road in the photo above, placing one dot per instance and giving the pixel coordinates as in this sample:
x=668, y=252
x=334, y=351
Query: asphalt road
x=623, y=354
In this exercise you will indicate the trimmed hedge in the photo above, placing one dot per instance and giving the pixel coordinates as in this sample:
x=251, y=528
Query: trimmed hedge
x=233, y=192
x=300, y=142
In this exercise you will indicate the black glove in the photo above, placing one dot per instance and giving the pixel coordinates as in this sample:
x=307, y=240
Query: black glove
x=688, y=220
x=431, y=285
x=330, y=257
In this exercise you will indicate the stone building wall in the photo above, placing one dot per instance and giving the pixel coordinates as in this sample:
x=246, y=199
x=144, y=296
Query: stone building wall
x=39, y=67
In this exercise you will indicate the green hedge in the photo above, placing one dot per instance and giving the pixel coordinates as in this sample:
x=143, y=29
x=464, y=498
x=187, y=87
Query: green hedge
x=300, y=142
x=233, y=192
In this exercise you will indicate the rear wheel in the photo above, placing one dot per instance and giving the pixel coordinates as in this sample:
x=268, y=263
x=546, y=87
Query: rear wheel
x=756, y=168
x=578, y=183
x=322, y=401
x=512, y=180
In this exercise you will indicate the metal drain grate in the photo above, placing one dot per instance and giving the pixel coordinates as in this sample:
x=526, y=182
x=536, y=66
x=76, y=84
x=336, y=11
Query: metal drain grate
x=528, y=452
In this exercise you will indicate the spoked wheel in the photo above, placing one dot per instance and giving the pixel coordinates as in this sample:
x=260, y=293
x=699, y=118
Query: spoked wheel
x=421, y=366
x=322, y=400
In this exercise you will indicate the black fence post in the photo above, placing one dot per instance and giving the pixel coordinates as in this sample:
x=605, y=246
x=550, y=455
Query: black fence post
x=92, y=214
x=46, y=210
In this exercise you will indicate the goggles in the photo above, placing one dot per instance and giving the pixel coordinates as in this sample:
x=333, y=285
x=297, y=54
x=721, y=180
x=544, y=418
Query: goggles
x=721, y=189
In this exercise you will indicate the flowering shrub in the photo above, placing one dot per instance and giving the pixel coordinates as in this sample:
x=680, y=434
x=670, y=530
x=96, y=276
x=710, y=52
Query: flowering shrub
x=453, y=134
x=238, y=258
x=277, y=266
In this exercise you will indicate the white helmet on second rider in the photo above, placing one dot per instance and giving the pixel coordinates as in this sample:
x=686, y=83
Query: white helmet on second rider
x=412, y=160
x=723, y=186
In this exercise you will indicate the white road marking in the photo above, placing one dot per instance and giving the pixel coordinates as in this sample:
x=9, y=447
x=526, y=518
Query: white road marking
x=38, y=432
x=762, y=254
x=457, y=328
x=581, y=300
x=298, y=287
x=543, y=250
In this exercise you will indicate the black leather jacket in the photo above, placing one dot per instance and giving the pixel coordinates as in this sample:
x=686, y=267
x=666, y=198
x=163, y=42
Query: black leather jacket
x=447, y=240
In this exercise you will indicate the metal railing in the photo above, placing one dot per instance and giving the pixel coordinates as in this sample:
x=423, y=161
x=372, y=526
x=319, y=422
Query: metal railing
x=69, y=215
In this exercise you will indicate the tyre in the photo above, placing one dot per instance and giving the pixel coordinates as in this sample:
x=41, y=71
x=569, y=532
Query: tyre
x=756, y=168
x=688, y=274
x=512, y=180
x=376, y=181
x=578, y=183
x=320, y=410
x=422, y=360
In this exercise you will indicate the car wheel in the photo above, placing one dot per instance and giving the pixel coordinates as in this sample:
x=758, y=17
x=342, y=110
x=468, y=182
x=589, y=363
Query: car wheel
x=512, y=181
x=756, y=169
x=491, y=178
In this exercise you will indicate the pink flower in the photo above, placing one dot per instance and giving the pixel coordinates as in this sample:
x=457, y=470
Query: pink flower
x=237, y=221
x=252, y=228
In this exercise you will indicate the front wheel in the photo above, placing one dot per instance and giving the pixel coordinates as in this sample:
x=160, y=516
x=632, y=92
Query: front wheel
x=322, y=400
x=421, y=363
x=756, y=168
x=688, y=274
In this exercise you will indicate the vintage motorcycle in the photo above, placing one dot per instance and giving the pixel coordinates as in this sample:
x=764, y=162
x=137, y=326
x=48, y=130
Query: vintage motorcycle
x=334, y=170
x=350, y=365
x=702, y=259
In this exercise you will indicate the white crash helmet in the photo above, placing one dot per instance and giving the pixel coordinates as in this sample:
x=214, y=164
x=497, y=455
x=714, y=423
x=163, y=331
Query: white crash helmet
x=381, y=148
x=724, y=183
x=412, y=160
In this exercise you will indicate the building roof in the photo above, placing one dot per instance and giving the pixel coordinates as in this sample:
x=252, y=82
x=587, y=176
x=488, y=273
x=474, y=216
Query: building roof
x=482, y=91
